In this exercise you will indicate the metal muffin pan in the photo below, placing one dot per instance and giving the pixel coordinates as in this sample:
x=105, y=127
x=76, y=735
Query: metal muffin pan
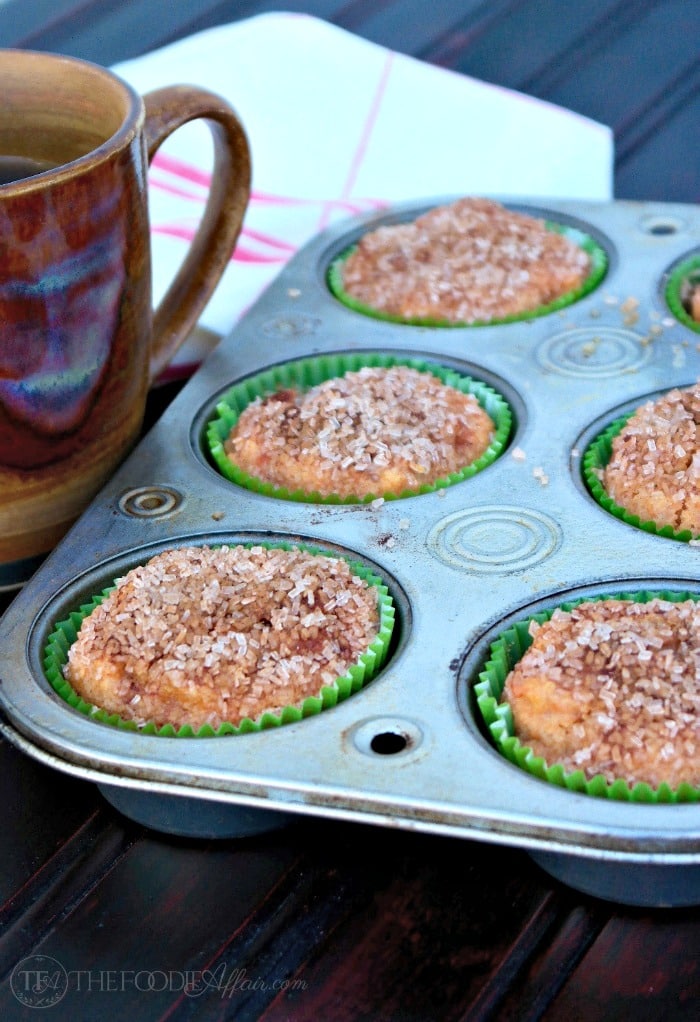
x=408, y=750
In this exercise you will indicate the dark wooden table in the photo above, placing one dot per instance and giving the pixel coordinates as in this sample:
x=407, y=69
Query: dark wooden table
x=326, y=920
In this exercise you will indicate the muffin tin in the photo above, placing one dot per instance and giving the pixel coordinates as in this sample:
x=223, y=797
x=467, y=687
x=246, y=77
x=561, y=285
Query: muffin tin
x=462, y=563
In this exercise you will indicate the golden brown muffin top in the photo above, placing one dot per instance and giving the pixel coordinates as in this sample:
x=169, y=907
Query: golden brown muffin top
x=613, y=687
x=654, y=468
x=200, y=635
x=469, y=261
x=373, y=430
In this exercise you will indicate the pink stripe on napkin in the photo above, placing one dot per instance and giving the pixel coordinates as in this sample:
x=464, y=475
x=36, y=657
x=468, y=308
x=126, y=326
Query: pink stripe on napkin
x=340, y=126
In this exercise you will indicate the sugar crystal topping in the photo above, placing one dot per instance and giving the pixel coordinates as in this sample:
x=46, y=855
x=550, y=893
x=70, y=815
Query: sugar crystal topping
x=654, y=468
x=469, y=261
x=200, y=635
x=370, y=431
x=613, y=687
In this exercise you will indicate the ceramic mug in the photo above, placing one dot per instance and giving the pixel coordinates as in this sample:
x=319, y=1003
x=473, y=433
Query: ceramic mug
x=79, y=341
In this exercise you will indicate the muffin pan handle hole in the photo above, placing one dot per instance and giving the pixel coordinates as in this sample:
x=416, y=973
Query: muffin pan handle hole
x=386, y=737
x=388, y=743
x=661, y=226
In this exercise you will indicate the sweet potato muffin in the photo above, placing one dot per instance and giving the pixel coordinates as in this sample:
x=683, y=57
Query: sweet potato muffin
x=612, y=687
x=201, y=636
x=690, y=294
x=471, y=261
x=373, y=431
x=654, y=468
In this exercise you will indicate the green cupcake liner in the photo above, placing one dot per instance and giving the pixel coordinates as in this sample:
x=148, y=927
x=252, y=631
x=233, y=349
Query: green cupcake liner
x=599, y=266
x=505, y=652
x=309, y=372
x=687, y=271
x=359, y=674
x=593, y=463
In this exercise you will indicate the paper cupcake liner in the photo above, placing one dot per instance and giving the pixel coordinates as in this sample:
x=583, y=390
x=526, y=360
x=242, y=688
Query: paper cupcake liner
x=359, y=674
x=595, y=459
x=309, y=372
x=505, y=652
x=599, y=266
x=687, y=271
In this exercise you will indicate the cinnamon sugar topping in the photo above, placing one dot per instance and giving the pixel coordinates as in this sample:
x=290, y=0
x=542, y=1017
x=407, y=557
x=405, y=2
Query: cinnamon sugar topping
x=373, y=431
x=654, y=469
x=470, y=261
x=613, y=687
x=201, y=636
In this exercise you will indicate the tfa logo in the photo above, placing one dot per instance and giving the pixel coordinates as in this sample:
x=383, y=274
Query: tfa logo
x=39, y=981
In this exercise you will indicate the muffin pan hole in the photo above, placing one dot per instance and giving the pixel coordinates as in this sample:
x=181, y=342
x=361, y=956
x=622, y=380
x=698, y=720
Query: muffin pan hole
x=661, y=226
x=387, y=737
x=388, y=743
x=474, y=658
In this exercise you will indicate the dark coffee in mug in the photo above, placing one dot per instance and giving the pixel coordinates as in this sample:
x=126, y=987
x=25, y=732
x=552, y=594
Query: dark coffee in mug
x=16, y=168
x=80, y=342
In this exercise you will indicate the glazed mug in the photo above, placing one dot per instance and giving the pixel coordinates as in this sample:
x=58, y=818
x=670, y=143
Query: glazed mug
x=80, y=343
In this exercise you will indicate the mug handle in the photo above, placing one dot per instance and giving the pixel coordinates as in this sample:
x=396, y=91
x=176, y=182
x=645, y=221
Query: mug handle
x=167, y=109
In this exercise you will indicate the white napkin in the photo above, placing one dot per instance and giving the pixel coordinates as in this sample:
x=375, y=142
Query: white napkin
x=338, y=125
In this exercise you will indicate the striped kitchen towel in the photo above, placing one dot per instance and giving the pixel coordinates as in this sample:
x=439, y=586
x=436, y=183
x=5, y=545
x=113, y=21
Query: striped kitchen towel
x=338, y=125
